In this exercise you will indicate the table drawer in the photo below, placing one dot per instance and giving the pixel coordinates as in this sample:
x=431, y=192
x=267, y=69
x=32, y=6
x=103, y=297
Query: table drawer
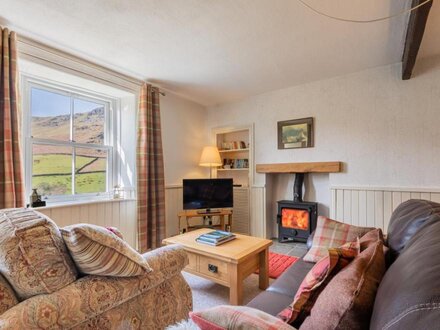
x=192, y=261
x=213, y=268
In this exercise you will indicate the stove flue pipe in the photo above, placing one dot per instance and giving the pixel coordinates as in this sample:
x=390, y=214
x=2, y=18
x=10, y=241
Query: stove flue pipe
x=297, y=187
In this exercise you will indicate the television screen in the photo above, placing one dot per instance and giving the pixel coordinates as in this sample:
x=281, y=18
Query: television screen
x=207, y=193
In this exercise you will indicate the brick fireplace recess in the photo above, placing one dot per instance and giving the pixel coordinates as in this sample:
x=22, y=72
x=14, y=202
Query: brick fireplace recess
x=296, y=219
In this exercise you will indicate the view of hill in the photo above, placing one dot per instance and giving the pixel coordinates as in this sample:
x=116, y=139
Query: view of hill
x=52, y=165
x=88, y=127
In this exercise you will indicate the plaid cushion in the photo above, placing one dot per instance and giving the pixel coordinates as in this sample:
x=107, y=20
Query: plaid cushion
x=355, y=288
x=316, y=280
x=237, y=317
x=330, y=233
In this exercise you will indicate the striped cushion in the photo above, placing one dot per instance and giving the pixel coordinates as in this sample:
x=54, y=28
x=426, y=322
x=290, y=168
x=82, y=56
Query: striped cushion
x=98, y=251
x=331, y=233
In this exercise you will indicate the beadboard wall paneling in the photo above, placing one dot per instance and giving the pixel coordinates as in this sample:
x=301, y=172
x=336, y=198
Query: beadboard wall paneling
x=258, y=225
x=115, y=213
x=373, y=207
x=241, y=211
x=173, y=205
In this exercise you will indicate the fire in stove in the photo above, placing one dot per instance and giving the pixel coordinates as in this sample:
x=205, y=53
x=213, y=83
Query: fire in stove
x=296, y=219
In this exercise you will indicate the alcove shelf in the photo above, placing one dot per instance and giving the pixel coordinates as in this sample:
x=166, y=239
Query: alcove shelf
x=309, y=167
x=233, y=150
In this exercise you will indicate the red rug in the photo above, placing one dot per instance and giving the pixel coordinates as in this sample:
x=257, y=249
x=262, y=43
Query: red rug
x=278, y=263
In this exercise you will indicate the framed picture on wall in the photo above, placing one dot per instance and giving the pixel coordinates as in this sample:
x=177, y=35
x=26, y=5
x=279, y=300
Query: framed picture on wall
x=296, y=133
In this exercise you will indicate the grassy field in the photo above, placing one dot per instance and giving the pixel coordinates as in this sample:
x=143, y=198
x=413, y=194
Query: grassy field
x=52, y=174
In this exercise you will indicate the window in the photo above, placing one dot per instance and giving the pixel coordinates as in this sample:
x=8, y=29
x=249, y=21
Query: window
x=69, y=142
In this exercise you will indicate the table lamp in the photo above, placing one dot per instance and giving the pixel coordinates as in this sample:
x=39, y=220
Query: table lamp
x=210, y=158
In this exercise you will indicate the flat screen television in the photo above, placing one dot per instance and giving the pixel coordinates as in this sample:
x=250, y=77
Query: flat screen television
x=207, y=194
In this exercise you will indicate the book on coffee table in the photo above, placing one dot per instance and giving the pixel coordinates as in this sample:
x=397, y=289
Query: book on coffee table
x=215, y=237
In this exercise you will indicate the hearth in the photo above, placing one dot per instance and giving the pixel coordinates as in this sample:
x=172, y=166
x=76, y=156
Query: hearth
x=296, y=219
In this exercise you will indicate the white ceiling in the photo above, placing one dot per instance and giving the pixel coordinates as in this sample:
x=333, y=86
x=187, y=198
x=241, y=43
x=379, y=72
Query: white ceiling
x=217, y=51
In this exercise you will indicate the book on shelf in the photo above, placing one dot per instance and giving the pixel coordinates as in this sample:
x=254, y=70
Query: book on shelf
x=233, y=145
x=215, y=237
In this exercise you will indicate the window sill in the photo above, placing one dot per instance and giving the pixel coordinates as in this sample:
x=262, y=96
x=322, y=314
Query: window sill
x=79, y=203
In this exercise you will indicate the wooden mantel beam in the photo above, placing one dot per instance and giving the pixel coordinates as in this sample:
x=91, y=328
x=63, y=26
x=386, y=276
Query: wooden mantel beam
x=414, y=35
x=311, y=167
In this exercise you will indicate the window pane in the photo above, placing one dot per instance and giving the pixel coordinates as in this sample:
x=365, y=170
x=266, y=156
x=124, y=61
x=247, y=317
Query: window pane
x=88, y=124
x=91, y=171
x=52, y=169
x=50, y=115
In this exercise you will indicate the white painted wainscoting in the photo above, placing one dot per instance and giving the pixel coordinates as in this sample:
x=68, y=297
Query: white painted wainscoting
x=173, y=205
x=120, y=213
x=259, y=227
x=362, y=206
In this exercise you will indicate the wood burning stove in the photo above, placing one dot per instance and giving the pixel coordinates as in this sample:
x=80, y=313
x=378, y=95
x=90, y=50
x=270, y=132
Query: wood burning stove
x=296, y=219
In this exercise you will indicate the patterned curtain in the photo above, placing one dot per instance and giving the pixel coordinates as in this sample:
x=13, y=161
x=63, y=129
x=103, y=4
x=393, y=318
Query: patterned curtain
x=150, y=171
x=11, y=172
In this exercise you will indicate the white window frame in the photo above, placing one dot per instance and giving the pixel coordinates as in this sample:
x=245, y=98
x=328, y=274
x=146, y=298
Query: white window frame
x=111, y=136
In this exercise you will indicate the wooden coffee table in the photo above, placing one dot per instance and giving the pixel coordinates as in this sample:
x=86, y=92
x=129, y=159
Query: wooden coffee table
x=228, y=264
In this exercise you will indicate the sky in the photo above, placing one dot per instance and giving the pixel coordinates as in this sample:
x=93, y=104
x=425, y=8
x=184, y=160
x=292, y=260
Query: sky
x=48, y=104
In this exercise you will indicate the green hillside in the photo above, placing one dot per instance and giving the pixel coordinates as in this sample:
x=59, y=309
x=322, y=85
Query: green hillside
x=52, y=165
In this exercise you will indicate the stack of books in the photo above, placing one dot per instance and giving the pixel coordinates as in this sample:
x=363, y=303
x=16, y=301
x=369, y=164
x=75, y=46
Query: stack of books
x=215, y=237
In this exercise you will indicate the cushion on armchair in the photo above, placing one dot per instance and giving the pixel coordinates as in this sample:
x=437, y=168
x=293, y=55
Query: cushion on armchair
x=7, y=296
x=97, y=251
x=33, y=257
x=331, y=233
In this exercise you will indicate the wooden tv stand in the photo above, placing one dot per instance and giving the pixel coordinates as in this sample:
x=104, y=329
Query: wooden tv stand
x=221, y=213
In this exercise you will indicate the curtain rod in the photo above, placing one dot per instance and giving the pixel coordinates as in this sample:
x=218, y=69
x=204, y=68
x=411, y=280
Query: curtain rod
x=105, y=73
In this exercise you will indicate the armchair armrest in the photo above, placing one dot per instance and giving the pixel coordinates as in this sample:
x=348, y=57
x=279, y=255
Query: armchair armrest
x=170, y=259
x=92, y=295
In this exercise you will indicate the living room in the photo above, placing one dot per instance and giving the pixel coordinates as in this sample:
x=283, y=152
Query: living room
x=109, y=109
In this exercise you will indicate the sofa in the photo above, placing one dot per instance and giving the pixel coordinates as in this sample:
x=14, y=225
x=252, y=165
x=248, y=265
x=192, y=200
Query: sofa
x=408, y=296
x=150, y=301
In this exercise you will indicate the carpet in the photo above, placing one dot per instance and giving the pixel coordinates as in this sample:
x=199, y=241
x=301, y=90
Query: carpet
x=278, y=263
x=209, y=294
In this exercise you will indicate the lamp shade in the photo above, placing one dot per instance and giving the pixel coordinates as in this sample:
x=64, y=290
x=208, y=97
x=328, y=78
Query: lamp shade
x=210, y=157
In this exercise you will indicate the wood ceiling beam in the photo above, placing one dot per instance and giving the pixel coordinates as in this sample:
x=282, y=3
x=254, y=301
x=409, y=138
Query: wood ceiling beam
x=414, y=35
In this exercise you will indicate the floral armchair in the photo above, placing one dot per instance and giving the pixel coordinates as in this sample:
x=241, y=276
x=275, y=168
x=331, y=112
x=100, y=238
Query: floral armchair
x=151, y=301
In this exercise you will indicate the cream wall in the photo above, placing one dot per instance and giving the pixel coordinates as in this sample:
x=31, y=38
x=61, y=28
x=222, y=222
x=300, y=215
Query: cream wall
x=385, y=130
x=184, y=135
